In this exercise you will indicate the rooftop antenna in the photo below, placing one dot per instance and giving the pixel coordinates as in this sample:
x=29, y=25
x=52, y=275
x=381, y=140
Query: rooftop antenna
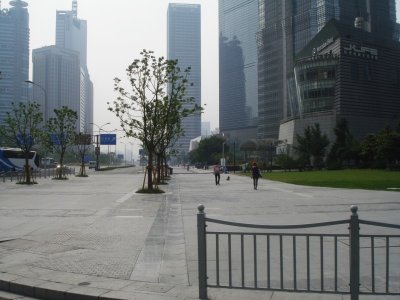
x=75, y=8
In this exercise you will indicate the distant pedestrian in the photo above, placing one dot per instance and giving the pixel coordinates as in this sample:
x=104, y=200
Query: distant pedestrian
x=255, y=174
x=217, y=170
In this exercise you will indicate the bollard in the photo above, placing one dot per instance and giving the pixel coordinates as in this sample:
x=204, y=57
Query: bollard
x=201, y=251
x=354, y=254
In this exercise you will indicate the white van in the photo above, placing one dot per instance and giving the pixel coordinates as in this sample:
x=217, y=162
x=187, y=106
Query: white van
x=92, y=164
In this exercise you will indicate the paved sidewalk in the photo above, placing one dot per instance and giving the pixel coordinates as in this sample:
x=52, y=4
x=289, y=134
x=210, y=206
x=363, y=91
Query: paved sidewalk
x=95, y=238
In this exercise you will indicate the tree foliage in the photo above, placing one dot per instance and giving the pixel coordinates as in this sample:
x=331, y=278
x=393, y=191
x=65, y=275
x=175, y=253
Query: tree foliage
x=345, y=150
x=209, y=150
x=312, y=146
x=23, y=127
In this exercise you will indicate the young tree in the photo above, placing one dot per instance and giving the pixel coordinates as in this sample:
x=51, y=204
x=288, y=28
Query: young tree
x=62, y=132
x=23, y=127
x=312, y=145
x=83, y=142
x=147, y=111
x=345, y=148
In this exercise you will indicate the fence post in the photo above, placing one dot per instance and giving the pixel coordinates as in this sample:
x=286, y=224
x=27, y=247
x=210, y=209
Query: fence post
x=201, y=251
x=354, y=254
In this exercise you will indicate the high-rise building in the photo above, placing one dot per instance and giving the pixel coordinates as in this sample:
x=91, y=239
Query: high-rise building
x=238, y=86
x=71, y=39
x=14, y=55
x=346, y=72
x=184, y=44
x=57, y=71
x=285, y=28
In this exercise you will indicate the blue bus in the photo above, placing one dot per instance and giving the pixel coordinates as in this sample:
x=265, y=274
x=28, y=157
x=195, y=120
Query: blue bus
x=13, y=159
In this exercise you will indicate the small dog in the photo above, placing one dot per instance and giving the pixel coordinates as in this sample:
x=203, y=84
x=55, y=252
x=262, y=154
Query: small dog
x=228, y=178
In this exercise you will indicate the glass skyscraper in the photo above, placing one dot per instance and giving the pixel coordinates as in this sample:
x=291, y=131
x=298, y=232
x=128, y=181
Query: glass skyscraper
x=285, y=28
x=184, y=44
x=71, y=39
x=238, y=95
x=14, y=55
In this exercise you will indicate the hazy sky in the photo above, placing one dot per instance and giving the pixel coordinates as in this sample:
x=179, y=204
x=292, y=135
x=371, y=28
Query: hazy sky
x=117, y=31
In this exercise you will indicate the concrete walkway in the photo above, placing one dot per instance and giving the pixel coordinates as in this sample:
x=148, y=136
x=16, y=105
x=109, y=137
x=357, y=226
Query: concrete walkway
x=95, y=238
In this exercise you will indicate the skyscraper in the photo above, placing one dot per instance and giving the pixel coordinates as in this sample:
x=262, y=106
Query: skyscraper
x=14, y=55
x=184, y=44
x=286, y=27
x=57, y=70
x=238, y=94
x=71, y=39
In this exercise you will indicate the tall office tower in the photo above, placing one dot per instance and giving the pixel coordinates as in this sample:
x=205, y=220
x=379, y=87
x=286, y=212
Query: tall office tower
x=285, y=28
x=184, y=44
x=71, y=39
x=71, y=33
x=238, y=94
x=58, y=72
x=14, y=55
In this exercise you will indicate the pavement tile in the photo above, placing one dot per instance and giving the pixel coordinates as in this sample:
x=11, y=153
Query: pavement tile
x=25, y=286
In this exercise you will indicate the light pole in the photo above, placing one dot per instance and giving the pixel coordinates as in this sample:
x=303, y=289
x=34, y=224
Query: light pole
x=97, y=149
x=124, y=154
x=131, y=152
x=234, y=156
x=45, y=97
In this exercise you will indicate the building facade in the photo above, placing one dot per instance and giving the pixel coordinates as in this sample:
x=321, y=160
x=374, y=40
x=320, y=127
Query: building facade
x=71, y=40
x=285, y=28
x=346, y=72
x=14, y=55
x=184, y=44
x=238, y=85
x=57, y=70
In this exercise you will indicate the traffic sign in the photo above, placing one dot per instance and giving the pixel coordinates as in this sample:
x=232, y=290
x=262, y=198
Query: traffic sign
x=108, y=139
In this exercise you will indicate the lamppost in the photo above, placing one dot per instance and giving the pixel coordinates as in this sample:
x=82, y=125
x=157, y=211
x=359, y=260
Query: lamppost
x=131, y=152
x=45, y=97
x=124, y=154
x=97, y=149
x=234, y=156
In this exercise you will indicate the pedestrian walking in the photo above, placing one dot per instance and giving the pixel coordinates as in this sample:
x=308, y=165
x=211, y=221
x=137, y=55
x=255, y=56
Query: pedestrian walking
x=255, y=174
x=217, y=170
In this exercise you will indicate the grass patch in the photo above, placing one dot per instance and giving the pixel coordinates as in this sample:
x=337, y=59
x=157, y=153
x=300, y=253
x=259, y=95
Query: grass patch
x=351, y=179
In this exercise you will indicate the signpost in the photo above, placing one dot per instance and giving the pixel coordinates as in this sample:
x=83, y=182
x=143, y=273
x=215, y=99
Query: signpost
x=108, y=139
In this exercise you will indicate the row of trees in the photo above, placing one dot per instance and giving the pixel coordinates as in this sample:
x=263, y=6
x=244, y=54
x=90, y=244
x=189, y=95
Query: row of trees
x=24, y=127
x=380, y=150
x=153, y=107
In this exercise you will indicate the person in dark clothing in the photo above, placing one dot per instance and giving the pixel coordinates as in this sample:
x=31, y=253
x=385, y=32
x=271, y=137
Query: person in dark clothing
x=217, y=170
x=255, y=174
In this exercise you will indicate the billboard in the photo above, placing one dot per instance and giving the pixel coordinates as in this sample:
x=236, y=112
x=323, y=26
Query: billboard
x=108, y=139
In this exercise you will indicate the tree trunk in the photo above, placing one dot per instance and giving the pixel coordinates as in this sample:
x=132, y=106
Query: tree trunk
x=83, y=171
x=27, y=171
x=149, y=171
x=158, y=168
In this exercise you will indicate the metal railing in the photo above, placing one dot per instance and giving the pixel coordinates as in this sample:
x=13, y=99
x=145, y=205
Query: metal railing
x=298, y=261
x=41, y=173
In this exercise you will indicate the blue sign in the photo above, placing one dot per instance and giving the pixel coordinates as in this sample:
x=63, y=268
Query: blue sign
x=24, y=140
x=108, y=139
x=55, y=140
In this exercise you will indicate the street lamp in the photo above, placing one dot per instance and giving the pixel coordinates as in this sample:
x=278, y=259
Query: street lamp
x=124, y=154
x=45, y=97
x=97, y=149
x=234, y=156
